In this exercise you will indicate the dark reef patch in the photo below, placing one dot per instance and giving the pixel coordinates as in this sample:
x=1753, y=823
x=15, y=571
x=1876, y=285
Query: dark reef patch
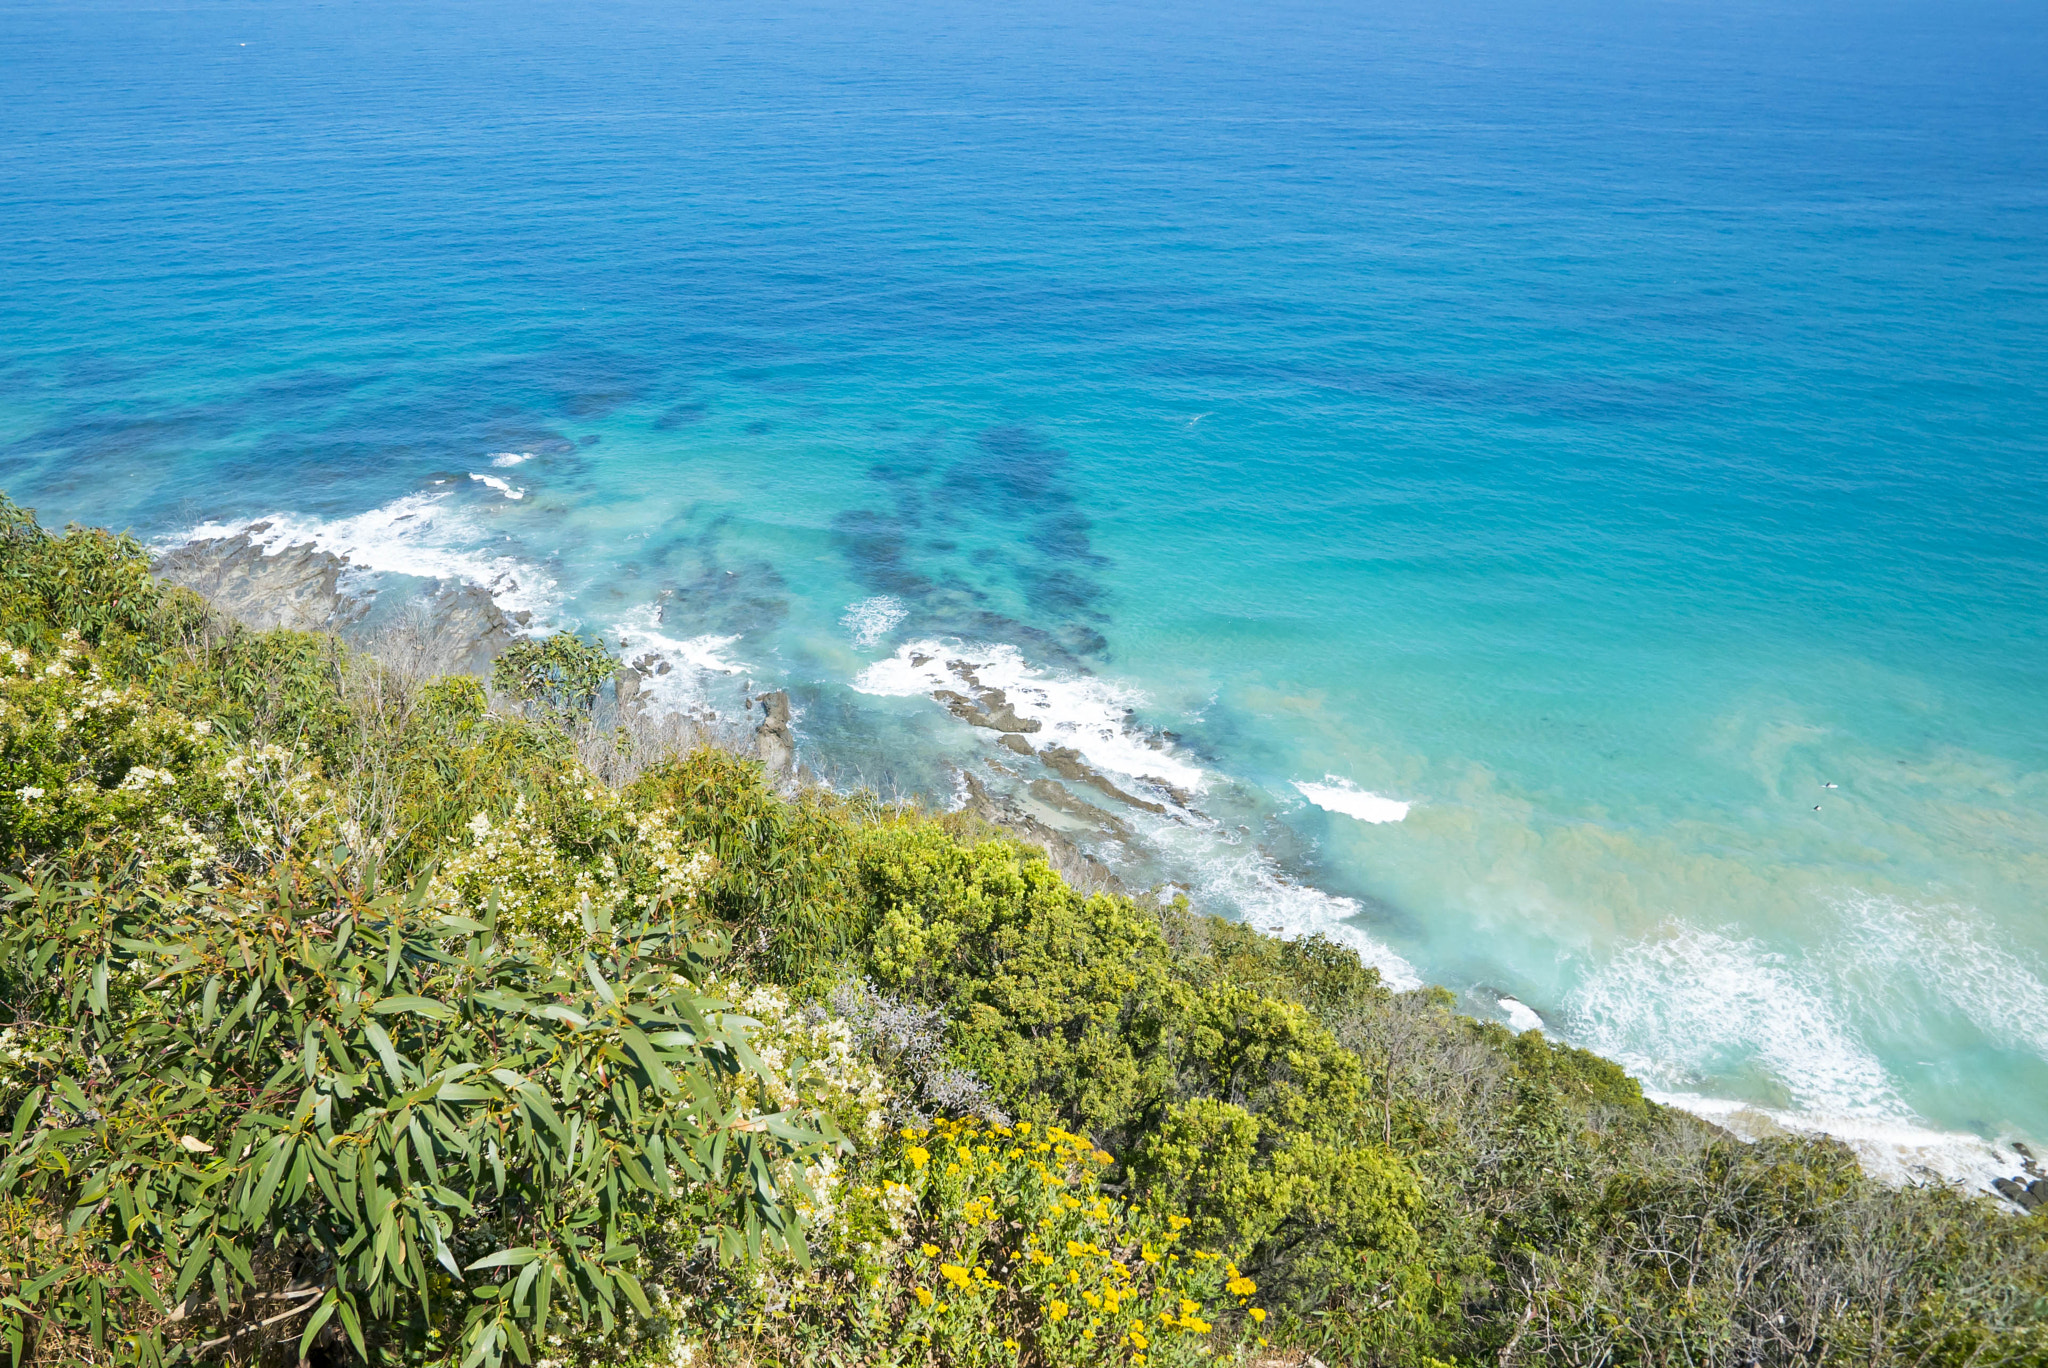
x=990, y=542
x=681, y=415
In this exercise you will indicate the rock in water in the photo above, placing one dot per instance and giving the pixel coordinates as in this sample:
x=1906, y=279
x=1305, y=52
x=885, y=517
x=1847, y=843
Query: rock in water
x=1077, y=866
x=449, y=628
x=774, y=746
x=298, y=588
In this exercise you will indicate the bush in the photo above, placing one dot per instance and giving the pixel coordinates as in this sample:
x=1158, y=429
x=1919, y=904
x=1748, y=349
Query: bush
x=559, y=674
x=976, y=1246
x=377, y=1113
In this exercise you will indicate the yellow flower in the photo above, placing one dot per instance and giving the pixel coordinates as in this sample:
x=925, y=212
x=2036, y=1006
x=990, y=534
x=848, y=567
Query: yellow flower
x=918, y=1156
x=924, y=1296
x=1241, y=1286
x=1010, y=1345
x=1103, y=1157
x=955, y=1275
x=1188, y=1308
x=1178, y=1222
x=1057, y=1309
x=1138, y=1340
x=1258, y=1314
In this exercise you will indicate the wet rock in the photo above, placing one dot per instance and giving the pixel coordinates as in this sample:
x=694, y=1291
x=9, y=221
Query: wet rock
x=447, y=628
x=2013, y=1192
x=1057, y=797
x=1003, y=717
x=2039, y=1189
x=298, y=588
x=628, y=683
x=1067, y=763
x=990, y=710
x=1076, y=865
x=450, y=629
x=1014, y=743
x=774, y=746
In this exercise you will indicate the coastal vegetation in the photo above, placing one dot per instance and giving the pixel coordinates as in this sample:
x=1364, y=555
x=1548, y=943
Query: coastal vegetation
x=353, y=1015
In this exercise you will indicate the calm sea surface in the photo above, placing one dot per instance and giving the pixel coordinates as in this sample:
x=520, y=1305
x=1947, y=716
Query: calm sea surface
x=1520, y=452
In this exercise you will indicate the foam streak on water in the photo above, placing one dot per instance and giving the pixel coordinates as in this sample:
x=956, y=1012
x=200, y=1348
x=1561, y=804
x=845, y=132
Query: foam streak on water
x=1335, y=794
x=425, y=534
x=1091, y=715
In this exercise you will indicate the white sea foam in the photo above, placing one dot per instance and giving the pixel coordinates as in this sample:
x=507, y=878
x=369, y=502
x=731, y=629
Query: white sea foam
x=1093, y=716
x=1895, y=1151
x=502, y=486
x=693, y=661
x=1088, y=714
x=510, y=458
x=873, y=618
x=427, y=534
x=1693, y=1004
x=1521, y=1016
x=1949, y=951
x=1228, y=871
x=1336, y=794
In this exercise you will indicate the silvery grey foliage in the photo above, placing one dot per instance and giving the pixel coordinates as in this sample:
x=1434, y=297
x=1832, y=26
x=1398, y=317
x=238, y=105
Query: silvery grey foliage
x=909, y=1042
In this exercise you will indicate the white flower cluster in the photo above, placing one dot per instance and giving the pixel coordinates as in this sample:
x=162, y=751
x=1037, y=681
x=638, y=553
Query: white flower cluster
x=140, y=777
x=542, y=891
x=678, y=874
x=84, y=751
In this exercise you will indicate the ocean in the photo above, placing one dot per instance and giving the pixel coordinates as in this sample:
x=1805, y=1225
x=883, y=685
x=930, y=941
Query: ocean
x=1550, y=495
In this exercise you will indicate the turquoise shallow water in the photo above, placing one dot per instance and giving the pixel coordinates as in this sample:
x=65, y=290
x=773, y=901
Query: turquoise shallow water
x=1594, y=426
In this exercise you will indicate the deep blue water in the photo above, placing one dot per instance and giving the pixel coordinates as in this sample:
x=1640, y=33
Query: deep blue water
x=1593, y=425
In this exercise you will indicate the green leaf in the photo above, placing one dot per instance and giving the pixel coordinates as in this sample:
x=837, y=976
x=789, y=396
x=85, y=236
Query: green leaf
x=385, y=1052
x=418, y=1006
x=346, y=1305
x=506, y=1258
x=321, y=1315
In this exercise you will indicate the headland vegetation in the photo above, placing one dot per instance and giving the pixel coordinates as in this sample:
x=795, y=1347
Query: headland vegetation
x=403, y=993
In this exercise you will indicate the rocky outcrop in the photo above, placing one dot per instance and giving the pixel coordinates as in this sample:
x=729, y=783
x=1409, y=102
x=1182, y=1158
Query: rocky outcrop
x=1067, y=764
x=774, y=746
x=448, y=627
x=1076, y=865
x=297, y=588
x=989, y=708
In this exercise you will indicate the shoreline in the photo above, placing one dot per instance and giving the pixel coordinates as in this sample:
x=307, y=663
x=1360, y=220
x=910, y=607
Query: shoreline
x=264, y=576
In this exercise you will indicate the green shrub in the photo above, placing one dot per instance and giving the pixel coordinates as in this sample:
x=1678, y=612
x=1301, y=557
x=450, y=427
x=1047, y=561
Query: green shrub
x=380, y=1113
x=985, y=1247
x=559, y=674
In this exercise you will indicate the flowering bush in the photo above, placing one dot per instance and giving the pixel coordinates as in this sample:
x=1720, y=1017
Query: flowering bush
x=83, y=757
x=966, y=1245
x=541, y=890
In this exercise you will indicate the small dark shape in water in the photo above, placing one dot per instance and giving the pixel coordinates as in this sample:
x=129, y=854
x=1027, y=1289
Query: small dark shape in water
x=596, y=403
x=593, y=439
x=679, y=416
x=759, y=426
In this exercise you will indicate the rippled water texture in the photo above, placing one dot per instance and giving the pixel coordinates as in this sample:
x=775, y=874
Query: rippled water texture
x=1476, y=470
